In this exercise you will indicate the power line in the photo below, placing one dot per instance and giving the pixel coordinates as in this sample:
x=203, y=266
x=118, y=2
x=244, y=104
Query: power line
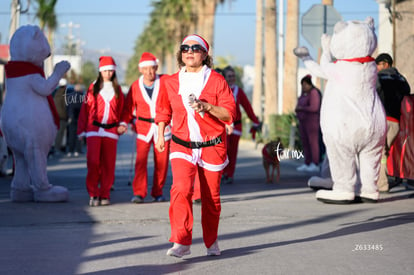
x=235, y=14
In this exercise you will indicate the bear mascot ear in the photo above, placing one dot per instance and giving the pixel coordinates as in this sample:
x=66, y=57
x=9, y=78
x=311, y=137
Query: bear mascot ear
x=370, y=22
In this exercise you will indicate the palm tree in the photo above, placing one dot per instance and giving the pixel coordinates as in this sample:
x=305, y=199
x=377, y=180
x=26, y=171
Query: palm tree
x=258, y=62
x=47, y=19
x=206, y=12
x=271, y=102
x=290, y=84
x=170, y=20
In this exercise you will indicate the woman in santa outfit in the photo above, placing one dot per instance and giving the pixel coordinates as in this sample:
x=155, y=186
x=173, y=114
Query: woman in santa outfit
x=235, y=130
x=199, y=103
x=99, y=122
x=141, y=102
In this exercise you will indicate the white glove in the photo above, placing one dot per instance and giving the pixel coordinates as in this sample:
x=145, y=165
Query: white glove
x=62, y=67
x=302, y=53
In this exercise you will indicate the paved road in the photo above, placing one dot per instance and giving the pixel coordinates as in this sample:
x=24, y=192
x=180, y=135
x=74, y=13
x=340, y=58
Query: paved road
x=264, y=228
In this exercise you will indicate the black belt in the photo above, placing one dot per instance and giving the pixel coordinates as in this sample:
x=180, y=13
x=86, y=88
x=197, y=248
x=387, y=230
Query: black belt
x=150, y=120
x=237, y=122
x=105, y=126
x=196, y=144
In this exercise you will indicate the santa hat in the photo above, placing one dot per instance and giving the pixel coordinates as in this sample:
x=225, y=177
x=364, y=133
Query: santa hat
x=106, y=63
x=148, y=59
x=199, y=39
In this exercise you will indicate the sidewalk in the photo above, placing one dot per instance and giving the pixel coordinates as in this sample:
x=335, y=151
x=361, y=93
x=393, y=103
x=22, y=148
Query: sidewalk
x=264, y=228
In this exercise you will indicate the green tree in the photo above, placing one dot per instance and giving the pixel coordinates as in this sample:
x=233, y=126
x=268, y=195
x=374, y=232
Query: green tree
x=47, y=17
x=89, y=73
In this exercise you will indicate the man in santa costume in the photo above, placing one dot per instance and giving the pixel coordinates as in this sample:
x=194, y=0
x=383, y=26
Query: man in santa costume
x=199, y=103
x=235, y=130
x=140, y=108
x=98, y=121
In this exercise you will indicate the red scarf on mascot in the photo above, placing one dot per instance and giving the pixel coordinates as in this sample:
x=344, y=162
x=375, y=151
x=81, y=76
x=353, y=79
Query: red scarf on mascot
x=22, y=68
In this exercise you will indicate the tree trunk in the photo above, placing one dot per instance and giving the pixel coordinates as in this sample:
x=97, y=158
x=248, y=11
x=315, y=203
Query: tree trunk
x=258, y=62
x=271, y=98
x=290, y=84
x=170, y=62
x=206, y=18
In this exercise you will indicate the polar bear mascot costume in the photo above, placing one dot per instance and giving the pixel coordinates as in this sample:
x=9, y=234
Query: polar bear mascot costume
x=27, y=116
x=352, y=117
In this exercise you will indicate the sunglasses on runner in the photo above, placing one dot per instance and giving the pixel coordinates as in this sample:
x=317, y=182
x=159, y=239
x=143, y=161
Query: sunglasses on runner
x=196, y=48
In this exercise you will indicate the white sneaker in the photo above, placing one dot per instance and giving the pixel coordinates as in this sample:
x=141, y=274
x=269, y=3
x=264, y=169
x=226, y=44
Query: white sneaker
x=302, y=168
x=312, y=168
x=214, y=250
x=93, y=201
x=105, y=202
x=335, y=197
x=179, y=250
x=320, y=183
x=369, y=197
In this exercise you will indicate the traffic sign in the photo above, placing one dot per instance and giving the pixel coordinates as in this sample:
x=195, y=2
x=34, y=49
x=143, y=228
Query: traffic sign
x=317, y=20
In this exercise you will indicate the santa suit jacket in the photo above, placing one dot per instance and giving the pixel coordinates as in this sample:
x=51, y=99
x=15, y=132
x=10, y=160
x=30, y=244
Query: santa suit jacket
x=400, y=161
x=174, y=107
x=138, y=101
x=241, y=99
x=103, y=111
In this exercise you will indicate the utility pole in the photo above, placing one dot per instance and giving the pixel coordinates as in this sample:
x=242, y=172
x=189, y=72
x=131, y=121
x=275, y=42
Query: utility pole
x=258, y=63
x=72, y=48
x=321, y=82
x=394, y=23
x=15, y=11
x=327, y=2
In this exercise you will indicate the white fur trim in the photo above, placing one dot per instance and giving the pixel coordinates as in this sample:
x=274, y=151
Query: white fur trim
x=107, y=68
x=213, y=167
x=196, y=38
x=201, y=163
x=102, y=133
x=148, y=63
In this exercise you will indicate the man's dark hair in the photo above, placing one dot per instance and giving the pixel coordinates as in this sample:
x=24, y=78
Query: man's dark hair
x=384, y=57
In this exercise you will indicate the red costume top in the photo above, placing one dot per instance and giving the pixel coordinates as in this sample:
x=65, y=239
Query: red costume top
x=100, y=115
x=144, y=106
x=241, y=99
x=401, y=156
x=188, y=125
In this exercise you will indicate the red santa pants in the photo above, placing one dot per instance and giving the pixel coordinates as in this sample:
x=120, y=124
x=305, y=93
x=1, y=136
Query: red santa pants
x=100, y=159
x=181, y=205
x=140, y=183
x=197, y=192
x=232, y=149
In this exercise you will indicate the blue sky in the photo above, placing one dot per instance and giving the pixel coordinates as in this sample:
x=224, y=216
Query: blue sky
x=115, y=25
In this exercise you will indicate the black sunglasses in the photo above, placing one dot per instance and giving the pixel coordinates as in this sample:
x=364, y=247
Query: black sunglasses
x=196, y=48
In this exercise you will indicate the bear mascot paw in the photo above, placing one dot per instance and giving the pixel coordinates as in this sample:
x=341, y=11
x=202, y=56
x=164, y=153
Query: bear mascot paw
x=352, y=117
x=28, y=116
